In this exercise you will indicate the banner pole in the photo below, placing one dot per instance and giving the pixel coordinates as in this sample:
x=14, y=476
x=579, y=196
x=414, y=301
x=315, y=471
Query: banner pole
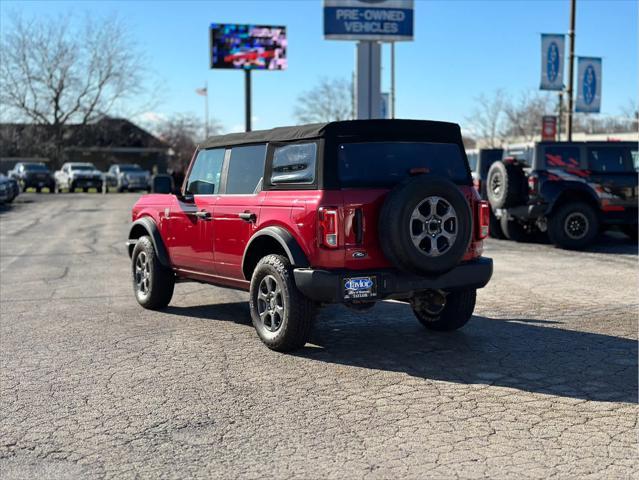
x=571, y=66
x=560, y=114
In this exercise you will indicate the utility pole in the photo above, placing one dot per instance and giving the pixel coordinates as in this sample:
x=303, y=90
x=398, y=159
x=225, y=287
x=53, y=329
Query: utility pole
x=571, y=65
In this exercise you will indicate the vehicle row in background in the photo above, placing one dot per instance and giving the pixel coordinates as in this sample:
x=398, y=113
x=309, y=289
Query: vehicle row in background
x=569, y=190
x=80, y=175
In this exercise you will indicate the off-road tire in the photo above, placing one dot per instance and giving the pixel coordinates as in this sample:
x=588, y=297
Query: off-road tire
x=299, y=311
x=455, y=314
x=38, y=190
x=494, y=227
x=513, y=230
x=161, y=279
x=511, y=180
x=557, y=225
x=394, y=225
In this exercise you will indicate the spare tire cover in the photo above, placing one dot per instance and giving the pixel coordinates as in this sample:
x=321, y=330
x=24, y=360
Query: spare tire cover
x=425, y=225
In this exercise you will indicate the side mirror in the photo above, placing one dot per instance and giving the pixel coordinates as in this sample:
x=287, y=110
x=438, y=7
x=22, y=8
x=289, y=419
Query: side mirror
x=186, y=197
x=162, y=184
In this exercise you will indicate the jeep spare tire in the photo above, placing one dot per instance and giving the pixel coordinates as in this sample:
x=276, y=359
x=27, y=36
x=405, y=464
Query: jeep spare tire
x=505, y=184
x=425, y=225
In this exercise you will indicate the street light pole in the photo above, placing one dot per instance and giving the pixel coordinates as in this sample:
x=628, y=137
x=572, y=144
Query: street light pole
x=571, y=66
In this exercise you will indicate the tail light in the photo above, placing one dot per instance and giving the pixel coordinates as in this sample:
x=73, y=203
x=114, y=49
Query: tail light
x=533, y=183
x=328, y=227
x=484, y=219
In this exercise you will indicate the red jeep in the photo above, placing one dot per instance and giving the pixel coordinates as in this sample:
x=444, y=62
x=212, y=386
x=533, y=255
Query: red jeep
x=351, y=212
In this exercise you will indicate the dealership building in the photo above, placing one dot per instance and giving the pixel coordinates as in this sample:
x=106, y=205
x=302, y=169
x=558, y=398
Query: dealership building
x=106, y=142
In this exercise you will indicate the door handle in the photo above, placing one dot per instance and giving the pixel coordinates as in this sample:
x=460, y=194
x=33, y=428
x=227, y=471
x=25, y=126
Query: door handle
x=203, y=214
x=247, y=216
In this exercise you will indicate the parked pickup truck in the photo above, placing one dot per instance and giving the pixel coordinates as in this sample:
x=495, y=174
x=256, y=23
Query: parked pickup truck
x=345, y=212
x=572, y=190
x=81, y=175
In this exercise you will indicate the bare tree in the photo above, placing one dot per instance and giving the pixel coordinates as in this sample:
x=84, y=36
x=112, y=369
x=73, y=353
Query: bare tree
x=55, y=72
x=486, y=119
x=329, y=100
x=183, y=132
x=524, y=115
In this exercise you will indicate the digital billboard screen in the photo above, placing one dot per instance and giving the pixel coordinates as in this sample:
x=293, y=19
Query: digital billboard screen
x=248, y=47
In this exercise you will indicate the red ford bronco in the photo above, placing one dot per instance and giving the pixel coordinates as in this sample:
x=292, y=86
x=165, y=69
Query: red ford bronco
x=351, y=212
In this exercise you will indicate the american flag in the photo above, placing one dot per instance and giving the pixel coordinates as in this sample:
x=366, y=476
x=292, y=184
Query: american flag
x=202, y=91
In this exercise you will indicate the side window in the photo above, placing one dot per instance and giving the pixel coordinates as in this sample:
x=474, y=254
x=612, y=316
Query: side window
x=246, y=169
x=473, y=157
x=607, y=159
x=635, y=159
x=206, y=173
x=294, y=164
x=562, y=157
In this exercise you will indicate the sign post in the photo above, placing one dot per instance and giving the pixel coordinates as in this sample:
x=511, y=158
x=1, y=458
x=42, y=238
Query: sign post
x=248, y=47
x=369, y=22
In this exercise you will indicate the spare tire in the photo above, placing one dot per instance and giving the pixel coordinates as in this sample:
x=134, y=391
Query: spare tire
x=425, y=225
x=505, y=184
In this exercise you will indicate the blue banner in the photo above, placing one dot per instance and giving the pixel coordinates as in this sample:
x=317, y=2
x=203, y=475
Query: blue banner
x=385, y=20
x=588, y=85
x=552, y=61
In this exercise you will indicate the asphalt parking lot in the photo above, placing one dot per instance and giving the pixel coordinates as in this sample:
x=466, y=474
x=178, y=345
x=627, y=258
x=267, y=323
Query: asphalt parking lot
x=542, y=382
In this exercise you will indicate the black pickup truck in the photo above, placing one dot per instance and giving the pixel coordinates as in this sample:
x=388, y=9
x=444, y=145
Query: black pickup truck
x=571, y=190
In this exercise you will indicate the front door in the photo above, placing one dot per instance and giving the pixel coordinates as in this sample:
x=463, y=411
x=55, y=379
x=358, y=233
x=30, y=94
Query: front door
x=191, y=226
x=237, y=209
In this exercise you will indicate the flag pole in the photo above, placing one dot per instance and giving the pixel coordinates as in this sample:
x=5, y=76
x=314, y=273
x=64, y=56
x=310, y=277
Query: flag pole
x=206, y=110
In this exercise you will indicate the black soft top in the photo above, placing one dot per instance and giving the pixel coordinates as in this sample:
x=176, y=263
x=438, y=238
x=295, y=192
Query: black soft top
x=424, y=130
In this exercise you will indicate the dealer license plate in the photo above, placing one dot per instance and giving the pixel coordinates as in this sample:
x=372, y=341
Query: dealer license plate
x=360, y=287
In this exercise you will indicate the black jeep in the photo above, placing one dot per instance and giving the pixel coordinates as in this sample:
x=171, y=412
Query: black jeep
x=571, y=190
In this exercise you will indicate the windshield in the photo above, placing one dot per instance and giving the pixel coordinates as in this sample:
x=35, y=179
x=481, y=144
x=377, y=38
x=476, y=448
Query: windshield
x=35, y=167
x=130, y=168
x=82, y=167
x=385, y=164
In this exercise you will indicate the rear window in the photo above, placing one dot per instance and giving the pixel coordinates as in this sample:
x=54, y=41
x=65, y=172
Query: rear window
x=488, y=157
x=294, y=164
x=608, y=159
x=130, y=168
x=562, y=157
x=383, y=164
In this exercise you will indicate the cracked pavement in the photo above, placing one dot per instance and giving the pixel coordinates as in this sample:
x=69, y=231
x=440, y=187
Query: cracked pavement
x=541, y=383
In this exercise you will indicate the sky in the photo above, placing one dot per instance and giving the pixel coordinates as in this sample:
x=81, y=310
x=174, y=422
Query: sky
x=461, y=50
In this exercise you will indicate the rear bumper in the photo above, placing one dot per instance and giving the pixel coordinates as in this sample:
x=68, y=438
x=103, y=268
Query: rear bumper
x=328, y=286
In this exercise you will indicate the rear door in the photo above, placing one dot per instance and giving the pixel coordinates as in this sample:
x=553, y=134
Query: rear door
x=613, y=175
x=191, y=229
x=237, y=209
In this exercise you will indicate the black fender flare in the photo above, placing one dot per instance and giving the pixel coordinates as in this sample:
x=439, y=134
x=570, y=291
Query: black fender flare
x=146, y=224
x=556, y=192
x=294, y=252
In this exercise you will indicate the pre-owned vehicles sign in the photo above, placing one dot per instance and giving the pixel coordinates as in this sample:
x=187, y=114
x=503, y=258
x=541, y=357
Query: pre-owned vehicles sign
x=378, y=20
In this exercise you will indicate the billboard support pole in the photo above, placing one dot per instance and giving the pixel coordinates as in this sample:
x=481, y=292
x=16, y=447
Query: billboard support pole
x=247, y=97
x=368, y=97
x=571, y=66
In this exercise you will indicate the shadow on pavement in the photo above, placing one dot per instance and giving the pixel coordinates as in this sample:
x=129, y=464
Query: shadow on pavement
x=525, y=354
x=528, y=355
x=237, y=312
